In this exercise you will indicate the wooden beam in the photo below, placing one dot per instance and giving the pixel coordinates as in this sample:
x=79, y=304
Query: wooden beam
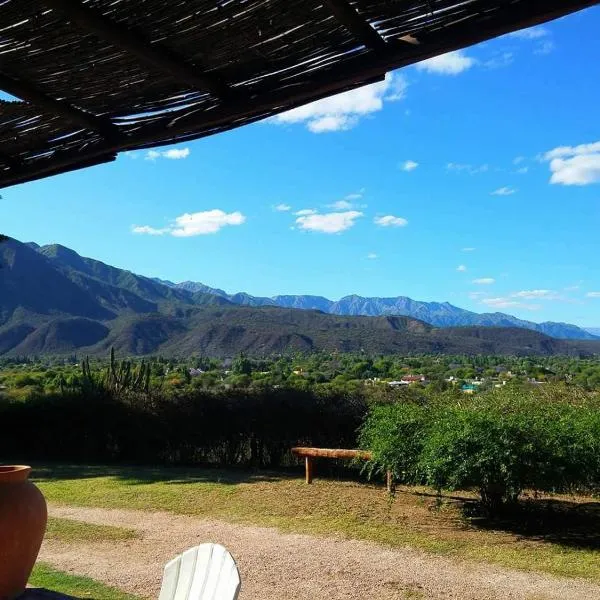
x=26, y=91
x=129, y=40
x=349, y=17
x=331, y=453
x=356, y=71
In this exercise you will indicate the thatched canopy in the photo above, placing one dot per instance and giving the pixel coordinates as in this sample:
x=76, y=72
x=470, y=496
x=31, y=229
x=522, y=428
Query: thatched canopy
x=101, y=76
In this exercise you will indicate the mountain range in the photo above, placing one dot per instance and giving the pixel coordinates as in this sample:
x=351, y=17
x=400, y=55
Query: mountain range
x=439, y=314
x=54, y=301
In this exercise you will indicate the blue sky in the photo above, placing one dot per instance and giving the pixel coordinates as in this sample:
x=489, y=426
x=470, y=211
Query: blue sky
x=473, y=178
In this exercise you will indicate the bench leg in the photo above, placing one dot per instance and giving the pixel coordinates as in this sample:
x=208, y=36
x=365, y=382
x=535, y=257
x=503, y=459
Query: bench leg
x=309, y=469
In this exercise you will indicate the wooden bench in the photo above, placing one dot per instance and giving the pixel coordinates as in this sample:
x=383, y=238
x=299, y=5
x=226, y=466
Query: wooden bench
x=309, y=455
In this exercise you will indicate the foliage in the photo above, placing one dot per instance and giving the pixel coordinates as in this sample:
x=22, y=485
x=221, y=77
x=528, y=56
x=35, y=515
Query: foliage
x=118, y=377
x=238, y=426
x=499, y=443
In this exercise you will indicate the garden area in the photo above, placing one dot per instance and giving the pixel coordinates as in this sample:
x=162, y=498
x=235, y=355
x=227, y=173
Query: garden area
x=119, y=525
x=495, y=492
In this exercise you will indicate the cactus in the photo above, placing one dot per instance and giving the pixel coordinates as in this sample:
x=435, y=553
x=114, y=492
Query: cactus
x=118, y=376
x=126, y=376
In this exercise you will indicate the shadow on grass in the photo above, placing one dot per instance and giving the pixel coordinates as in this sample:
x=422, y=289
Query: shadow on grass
x=139, y=475
x=558, y=521
x=144, y=474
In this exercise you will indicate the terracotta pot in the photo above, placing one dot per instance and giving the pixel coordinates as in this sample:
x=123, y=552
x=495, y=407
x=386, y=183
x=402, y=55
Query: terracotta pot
x=23, y=518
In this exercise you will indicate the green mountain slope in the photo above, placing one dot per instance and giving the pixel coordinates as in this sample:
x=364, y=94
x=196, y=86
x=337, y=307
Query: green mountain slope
x=53, y=301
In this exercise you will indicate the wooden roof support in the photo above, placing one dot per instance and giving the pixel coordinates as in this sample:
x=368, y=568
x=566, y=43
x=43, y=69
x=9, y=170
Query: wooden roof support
x=349, y=17
x=132, y=42
x=29, y=93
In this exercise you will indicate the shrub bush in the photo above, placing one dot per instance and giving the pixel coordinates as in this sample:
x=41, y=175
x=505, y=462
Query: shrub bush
x=236, y=427
x=498, y=443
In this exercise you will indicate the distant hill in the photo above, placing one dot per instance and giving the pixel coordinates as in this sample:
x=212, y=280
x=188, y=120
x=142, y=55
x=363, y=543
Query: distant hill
x=440, y=314
x=54, y=301
x=593, y=330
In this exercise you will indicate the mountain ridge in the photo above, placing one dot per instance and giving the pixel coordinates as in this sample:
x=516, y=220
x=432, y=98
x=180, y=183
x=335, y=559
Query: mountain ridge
x=440, y=314
x=56, y=302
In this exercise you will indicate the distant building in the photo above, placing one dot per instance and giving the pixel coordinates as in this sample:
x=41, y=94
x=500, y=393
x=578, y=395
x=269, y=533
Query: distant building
x=413, y=379
x=195, y=372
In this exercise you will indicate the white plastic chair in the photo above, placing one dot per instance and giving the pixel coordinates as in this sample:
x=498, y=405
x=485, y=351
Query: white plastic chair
x=205, y=572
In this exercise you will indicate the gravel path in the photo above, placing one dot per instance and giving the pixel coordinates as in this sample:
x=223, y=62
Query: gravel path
x=279, y=566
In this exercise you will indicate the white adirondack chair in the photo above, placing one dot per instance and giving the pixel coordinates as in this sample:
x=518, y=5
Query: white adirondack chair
x=205, y=572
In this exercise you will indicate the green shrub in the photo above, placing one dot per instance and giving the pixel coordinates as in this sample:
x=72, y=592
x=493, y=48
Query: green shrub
x=395, y=434
x=498, y=443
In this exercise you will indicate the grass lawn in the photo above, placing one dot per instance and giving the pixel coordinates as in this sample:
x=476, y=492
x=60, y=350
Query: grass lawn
x=561, y=536
x=44, y=576
x=69, y=530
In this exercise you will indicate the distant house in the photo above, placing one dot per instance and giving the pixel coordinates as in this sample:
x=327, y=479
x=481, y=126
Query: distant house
x=413, y=379
x=195, y=372
x=408, y=380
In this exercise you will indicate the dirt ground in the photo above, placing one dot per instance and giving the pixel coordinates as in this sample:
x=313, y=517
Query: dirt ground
x=292, y=566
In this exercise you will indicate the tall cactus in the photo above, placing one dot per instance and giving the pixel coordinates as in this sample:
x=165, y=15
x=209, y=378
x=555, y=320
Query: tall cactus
x=124, y=376
x=118, y=376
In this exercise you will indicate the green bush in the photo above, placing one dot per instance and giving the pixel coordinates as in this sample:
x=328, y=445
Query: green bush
x=498, y=443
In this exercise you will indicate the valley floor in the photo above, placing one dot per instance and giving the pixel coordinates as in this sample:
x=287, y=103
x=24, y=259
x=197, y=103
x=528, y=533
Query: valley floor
x=294, y=566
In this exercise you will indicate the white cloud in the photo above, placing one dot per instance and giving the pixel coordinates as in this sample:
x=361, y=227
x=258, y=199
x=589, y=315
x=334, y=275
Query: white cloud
x=469, y=249
x=341, y=205
x=500, y=60
x=522, y=170
x=565, y=151
x=203, y=223
x=518, y=159
x=343, y=111
x=484, y=281
x=578, y=170
x=390, y=221
x=593, y=294
x=372, y=256
x=464, y=167
x=131, y=154
x=503, y=191
x=409, y=165
x=282, y=207
x=148, y=230
x=461, y=268
x=574, y=165
x=335, y=222
x=508, y=303
x=355, y=196
x=176, y=153
x=198, y=223
x=532, y=33
x=451, y=63
x=533, y=294
x=305, y=211
x=172, y=154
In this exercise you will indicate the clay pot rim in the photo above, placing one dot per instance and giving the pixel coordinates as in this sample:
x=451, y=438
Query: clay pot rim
x=13, y=473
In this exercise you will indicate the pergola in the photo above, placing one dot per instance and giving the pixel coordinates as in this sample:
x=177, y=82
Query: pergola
x=97, y=77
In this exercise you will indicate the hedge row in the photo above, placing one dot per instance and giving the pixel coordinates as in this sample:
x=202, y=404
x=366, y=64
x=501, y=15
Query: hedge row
x=499, y=443
x=229, y=428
